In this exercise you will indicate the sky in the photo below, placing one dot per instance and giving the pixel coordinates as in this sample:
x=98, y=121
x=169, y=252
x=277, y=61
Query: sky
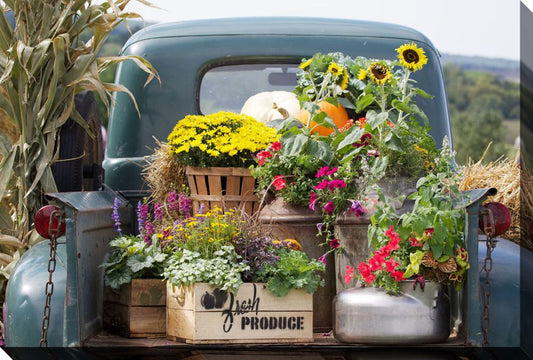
x=489, y=28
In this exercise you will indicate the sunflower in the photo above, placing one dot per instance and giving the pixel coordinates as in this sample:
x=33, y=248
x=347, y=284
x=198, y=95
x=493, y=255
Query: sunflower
x=362, y=74
x=379, y=73
x=335, y=69
x=305, y=64
x=412, y=57
x=344, y=82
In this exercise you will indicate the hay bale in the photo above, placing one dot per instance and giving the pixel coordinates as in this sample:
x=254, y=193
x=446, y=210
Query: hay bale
x=164, y=174
x=504, y=175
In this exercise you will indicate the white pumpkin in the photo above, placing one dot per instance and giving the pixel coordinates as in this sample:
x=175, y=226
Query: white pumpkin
x=271, y=105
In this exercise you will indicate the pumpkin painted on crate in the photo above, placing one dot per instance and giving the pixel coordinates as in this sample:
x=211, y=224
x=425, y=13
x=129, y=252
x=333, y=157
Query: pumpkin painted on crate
x=337, y=113
x=271, y=105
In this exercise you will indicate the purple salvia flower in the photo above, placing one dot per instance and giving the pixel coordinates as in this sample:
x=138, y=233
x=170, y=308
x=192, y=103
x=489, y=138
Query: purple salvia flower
x=356, y=208
x=140, y=219
x=116, y=216
x=158, y=212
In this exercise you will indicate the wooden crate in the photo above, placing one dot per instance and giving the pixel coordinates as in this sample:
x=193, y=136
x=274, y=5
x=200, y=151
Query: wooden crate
x=137, y=309
x=225, y=187
x=201, y=313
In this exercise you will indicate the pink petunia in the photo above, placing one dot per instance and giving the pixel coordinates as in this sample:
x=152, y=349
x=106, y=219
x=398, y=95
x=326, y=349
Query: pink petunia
x=334, y=243
x=329, y=207
x=276, y=146
x=312, y=201
x=262, y=156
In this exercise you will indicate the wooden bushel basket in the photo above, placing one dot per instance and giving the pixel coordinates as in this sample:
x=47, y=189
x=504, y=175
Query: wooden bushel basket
x=225, y=187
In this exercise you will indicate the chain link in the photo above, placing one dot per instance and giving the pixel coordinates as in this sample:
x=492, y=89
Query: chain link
x=54, y=231
x=489, y=230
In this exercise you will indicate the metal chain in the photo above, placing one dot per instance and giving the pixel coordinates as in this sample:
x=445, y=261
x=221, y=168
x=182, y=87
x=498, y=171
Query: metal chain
x=489, y=230
x=53, y=232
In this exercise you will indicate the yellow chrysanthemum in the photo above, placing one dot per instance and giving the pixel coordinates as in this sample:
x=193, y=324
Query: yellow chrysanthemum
x=362, y=74
x=412, y=57
x=379, y=73
x=305, y=64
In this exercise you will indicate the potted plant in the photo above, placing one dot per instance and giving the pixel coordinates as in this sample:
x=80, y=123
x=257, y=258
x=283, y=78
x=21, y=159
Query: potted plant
x=228, y=281
x=217, y=150
x=135, y=293
x=415, y=256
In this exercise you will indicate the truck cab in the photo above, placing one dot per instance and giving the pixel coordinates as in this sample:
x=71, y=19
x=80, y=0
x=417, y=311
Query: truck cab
x=207, y=66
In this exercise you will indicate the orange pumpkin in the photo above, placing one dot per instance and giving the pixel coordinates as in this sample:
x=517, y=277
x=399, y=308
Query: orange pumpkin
x=337, y=113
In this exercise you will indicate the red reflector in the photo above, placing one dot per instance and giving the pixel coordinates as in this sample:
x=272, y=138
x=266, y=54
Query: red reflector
x=501, y=216
x=42, y=221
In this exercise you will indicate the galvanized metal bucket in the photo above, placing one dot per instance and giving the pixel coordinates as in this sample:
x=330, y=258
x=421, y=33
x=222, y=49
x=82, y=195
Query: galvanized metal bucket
x=368, y=315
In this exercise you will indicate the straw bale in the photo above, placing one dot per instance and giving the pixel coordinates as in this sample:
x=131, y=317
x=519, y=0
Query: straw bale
x=163, y=173
x=504, y=175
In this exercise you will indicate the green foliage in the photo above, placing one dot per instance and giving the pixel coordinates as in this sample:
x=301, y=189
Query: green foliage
x=132, y=258
x=293, y=270
x=479, y=104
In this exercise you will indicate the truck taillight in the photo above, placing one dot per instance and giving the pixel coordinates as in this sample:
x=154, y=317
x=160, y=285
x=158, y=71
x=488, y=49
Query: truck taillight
x=49, y=220
x=495, y=216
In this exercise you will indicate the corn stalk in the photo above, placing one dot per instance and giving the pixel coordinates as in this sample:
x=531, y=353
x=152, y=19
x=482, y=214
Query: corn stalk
x=48, y=57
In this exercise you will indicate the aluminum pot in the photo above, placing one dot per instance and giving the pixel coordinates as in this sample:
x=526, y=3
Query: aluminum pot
x=369, y=315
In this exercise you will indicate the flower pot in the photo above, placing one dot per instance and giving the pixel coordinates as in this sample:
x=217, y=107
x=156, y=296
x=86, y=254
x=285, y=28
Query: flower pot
x=368, y=315
x=225, y=187
x=286, y=221
x=201, y=313
x=136, y=309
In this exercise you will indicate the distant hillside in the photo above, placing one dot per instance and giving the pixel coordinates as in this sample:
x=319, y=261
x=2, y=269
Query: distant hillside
x=504, y=68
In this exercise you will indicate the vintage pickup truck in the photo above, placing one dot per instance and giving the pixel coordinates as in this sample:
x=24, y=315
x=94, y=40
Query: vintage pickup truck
x=204, y=67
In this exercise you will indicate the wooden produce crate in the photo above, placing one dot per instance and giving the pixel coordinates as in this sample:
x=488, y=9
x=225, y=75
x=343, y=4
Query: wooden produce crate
x=225, y=187
x=200, y=313
x=137, y=309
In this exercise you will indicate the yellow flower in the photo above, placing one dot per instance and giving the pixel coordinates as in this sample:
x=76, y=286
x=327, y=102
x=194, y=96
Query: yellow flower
x=379, y=73
x=306, y=64
x=335, y=69
x=344, y=82
x=362, y=74
x=411, y=56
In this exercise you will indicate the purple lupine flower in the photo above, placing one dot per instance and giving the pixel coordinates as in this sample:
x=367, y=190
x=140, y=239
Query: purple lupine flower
x=158, y=212
x=172, y=201
x=185, y=204
x=116, y=216
x=140, y=218
x=356, y=208
x=329, y=207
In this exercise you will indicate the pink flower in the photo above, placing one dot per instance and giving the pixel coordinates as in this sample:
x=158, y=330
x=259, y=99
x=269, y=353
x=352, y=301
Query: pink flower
x=334, y=243
x=262, y=155
x=369, y=279
x=336, y=184
x=322, y=258
x=332, y=171
x=312, y=201
x=373, y=153
x=329, y=207
x=429, y=232
x=322, y=185
x=322, y=172
x=276, y=146
x=279, y=182
x=348, y=276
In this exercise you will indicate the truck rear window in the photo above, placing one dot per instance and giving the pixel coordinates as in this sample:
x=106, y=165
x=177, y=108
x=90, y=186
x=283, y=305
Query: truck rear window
x=226, y=88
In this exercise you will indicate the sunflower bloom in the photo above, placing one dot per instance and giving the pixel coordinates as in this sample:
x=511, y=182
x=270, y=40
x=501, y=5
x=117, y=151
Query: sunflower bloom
x=335, y=69
x=412, y=57
x=379, y=73
x=344, y=82
x=305, y=64
x=362, y=74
